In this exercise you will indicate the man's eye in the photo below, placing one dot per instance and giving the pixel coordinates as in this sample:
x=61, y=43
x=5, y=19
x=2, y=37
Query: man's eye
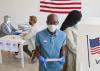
x=54, y=22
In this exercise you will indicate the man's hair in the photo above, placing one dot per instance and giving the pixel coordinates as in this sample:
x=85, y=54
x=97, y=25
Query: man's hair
x=50, y=16
x=6, y=16
x=72, y=19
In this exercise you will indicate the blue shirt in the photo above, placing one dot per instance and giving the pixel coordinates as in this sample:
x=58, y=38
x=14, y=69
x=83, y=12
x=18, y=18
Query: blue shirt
x=50, y=46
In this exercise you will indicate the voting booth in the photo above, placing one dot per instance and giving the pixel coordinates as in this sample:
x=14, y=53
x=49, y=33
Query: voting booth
x=88, y=51
x=10, y=43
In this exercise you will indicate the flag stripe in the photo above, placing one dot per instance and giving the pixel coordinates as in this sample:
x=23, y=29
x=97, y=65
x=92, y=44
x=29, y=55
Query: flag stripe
x=95, y=48
x=59, y=7
x=62, y=3
x=95, y=53
x=60, y=12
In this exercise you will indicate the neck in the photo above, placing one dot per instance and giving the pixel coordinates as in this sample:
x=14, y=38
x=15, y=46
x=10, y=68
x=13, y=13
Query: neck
x=52, y=33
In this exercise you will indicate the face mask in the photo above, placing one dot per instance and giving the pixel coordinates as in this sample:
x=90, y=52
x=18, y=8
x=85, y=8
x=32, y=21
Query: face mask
x=30, y=23
x=52, y=28
x=8, y=21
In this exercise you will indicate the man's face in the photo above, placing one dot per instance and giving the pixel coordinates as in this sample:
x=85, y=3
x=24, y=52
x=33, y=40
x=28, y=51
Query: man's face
x=8, y=20
x=53, y=20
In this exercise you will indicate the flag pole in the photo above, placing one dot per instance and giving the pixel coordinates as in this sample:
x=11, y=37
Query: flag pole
x=88, y=50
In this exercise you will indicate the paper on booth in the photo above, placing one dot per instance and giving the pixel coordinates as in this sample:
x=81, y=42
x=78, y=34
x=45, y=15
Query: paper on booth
x=54, y=59
x=6, y=45
x=1, y=45
x=14, y=47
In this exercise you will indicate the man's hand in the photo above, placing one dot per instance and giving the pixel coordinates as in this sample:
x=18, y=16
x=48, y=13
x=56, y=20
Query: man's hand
x=42, y=60
x=62, y=60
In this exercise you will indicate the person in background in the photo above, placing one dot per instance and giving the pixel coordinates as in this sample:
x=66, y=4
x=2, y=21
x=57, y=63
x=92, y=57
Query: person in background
x=29, y=37
x=70, y=27
x=6, y=28
x=49, y=45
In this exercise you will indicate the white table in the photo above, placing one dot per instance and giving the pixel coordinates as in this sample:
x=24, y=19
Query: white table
x=19, y=40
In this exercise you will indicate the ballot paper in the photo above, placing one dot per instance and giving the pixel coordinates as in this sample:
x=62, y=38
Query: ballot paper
x=1, y=45
x=8, y=45
x=54, y=59
x=14, y=47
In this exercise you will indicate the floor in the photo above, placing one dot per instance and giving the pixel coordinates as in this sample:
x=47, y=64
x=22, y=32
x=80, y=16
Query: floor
x=11, y=63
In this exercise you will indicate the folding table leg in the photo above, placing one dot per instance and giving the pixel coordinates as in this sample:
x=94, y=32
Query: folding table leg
x=0, y=57
x=22, y=56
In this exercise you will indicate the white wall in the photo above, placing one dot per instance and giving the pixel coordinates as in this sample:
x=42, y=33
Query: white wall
x=20, y=10
x=90, y=8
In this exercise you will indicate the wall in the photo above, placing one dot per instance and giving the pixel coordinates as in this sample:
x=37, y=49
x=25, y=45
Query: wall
x=90, y=8
x=19, y=10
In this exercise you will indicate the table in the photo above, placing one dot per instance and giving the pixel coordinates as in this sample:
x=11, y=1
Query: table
x=19, y=40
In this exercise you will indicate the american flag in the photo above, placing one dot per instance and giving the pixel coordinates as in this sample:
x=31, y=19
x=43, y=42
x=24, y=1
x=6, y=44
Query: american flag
x=59, y=7
x=95, y=46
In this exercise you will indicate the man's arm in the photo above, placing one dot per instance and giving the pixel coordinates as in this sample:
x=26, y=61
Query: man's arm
x=37, y=52
x=4, y=29
x=62, y=52
x=13, y=29
x=37, y=44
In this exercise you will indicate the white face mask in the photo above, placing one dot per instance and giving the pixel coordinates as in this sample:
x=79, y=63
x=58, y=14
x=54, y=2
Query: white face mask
x=52, y=28
x=8, y=20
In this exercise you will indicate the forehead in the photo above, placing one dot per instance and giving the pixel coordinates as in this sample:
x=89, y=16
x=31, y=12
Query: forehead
x=52, y=18
x=55, y=18
x=7, y=18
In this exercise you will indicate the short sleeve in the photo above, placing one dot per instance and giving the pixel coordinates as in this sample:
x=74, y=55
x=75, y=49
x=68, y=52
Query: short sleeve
x=37, y=41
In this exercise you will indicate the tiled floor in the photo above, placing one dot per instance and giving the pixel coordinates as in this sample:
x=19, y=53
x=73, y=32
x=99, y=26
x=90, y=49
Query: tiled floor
x=12, y=64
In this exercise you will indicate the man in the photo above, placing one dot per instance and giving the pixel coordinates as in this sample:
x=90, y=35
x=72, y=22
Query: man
x=6, y=27
x=49, y=45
